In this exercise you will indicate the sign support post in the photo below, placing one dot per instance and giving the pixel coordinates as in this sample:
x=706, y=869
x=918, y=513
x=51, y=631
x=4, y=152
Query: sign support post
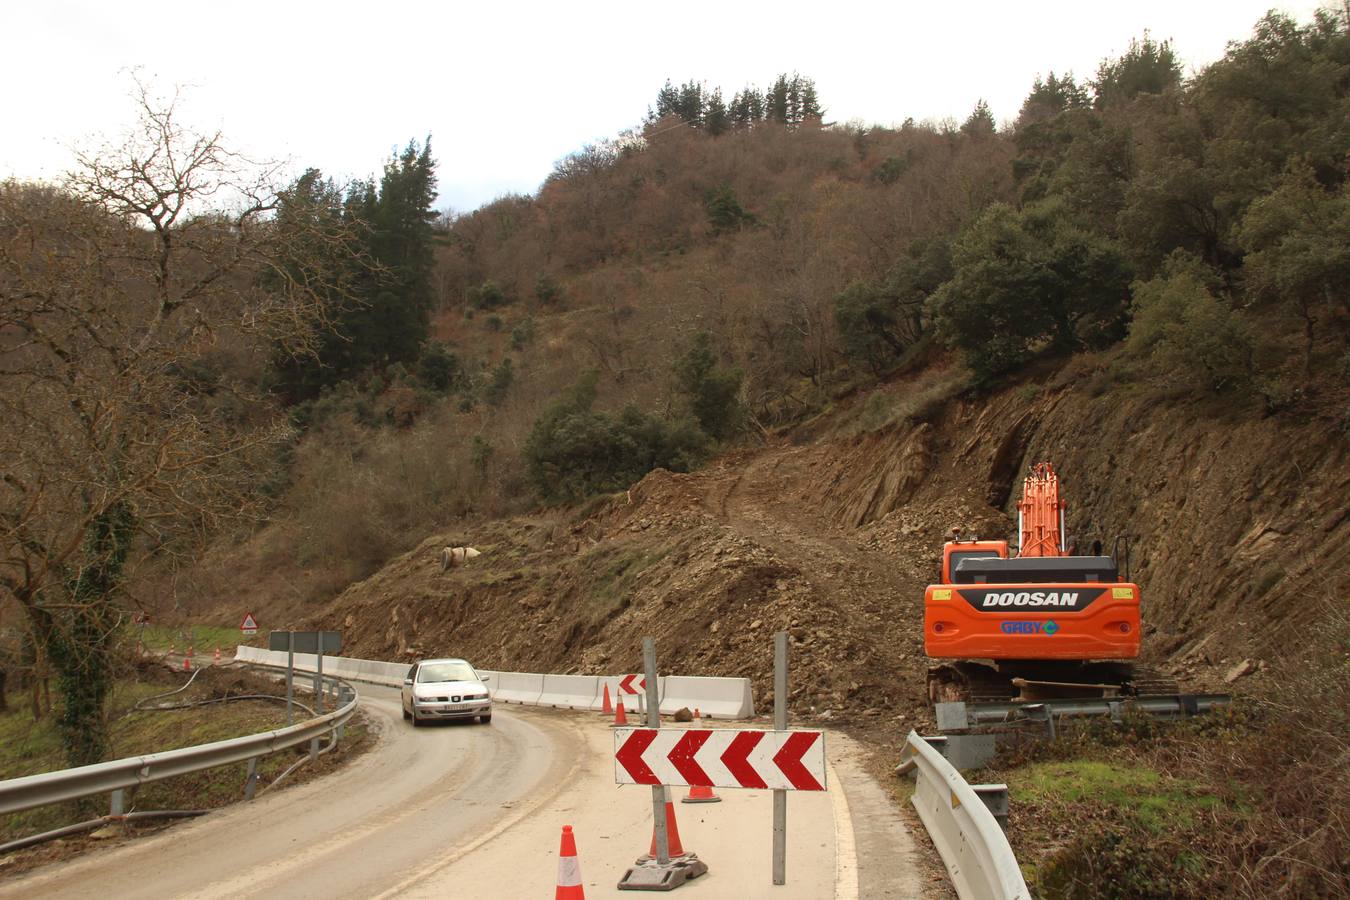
x=318, y=695
x=780, y=698
x=654, y=721
x=290, y=678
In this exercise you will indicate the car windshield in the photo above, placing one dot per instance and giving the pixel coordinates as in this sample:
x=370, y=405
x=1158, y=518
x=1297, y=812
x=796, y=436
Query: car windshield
x=445, y=671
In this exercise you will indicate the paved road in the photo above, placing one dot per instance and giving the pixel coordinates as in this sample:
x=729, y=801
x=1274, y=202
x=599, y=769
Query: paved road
x=468, y=811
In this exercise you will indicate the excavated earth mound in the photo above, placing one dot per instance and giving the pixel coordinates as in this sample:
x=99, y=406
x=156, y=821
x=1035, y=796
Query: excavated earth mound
x=1237, y=531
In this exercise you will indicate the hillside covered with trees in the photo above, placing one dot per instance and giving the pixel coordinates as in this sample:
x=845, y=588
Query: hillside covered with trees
x=212, y=378
x=726, y=269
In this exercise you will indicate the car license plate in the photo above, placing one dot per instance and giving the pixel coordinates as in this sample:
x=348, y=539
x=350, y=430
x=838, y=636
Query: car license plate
x=455, y=707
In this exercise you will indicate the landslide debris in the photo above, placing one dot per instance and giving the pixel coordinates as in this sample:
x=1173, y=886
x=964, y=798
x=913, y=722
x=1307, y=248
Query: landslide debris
x=1235, y=529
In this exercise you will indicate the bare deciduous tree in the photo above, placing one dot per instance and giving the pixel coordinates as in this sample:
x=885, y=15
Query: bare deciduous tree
x=117, y=290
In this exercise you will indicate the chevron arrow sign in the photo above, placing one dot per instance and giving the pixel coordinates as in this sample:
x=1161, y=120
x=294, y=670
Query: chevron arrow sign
x=720, y=757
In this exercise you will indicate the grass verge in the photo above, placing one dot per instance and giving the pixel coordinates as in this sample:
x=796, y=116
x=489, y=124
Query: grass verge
x=28, y=748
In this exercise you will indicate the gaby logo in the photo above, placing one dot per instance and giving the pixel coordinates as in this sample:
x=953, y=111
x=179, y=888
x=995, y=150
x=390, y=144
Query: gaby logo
x=1047, y=628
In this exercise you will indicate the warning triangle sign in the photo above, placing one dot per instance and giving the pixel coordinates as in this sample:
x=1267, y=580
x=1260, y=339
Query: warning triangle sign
x=249, y=623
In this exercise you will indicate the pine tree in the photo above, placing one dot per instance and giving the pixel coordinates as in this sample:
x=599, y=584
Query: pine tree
x=716, y=119
x=776, y=102
x=810, y=112
x=667, y=103
x=690, y=106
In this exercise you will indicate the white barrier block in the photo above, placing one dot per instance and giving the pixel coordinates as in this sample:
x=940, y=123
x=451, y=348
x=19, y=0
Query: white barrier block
x=720, y=698
x=519, y=687
x=569, y=691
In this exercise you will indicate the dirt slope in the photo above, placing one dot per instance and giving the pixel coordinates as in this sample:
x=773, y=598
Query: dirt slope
x=1238, y=529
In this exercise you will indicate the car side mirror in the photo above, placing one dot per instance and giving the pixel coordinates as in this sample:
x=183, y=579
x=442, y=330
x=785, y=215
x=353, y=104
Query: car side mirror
x=407, y=681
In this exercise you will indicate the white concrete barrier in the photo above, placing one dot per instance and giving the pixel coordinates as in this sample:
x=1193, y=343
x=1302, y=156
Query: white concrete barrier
x=569, y=691
x=717, y=698
x=519, y=687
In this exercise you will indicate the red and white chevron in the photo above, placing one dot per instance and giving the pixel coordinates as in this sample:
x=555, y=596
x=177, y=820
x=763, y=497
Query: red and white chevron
x=720, y=757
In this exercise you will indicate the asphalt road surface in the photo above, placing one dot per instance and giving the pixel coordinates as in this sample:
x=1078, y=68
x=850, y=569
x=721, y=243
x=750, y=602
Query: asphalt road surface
x=461, y=810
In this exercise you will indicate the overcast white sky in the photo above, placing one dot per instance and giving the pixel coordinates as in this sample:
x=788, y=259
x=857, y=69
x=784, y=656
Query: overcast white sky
x=505, y=89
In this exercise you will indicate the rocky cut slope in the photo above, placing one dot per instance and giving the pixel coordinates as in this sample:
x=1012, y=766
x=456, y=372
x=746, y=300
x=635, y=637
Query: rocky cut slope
x=1237, y=527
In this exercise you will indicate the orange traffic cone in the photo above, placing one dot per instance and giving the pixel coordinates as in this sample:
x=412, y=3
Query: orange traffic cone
x=608, y=707
x=189, y=651
x=187, y=664
x=697, y=715
x=217, y=659
x=173, y=649
x=620, y=717
x=672, y=832
x=700, y=794
x=569, y=869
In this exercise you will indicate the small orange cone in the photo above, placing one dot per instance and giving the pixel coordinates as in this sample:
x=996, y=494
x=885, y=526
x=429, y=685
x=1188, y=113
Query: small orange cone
x=189, y=651
x=700, y=794
x=569, y=869
x=173, y=649
x=608, y=707
x=187, y=664
x=217, y=659
x=697, y=715
x=672, y=832
x=620, y=717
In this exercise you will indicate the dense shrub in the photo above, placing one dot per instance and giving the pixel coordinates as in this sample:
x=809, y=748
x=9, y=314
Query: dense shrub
x=574, y=452
x=710, y=389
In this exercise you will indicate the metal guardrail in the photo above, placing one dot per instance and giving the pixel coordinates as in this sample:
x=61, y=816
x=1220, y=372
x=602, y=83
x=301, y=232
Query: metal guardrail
x=31, y=791
x=974, y=848
x=987, y=712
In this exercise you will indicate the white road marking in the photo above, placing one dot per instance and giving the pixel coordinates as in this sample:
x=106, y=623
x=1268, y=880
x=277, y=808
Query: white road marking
x=845, y=851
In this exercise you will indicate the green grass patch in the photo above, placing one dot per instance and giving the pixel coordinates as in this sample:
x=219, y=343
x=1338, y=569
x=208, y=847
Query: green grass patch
x=28, y=747
x=614, y=575
x=1153, y=800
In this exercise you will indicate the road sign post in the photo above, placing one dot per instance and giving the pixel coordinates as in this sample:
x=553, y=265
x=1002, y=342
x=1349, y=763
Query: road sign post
x=290, y=678
x=293, y=642
x=654, y=721
x=780, y=695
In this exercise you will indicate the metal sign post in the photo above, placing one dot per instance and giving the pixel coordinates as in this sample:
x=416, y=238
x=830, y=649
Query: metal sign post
x=654, y=721
x=290, y=678
x=780, y=695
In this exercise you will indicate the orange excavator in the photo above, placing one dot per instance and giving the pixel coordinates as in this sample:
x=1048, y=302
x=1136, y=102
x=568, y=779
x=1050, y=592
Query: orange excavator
x=1043, y=624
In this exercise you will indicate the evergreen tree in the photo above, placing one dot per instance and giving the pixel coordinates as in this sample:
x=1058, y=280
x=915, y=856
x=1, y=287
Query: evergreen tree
x=382, y=315
x=690, y=106
x=1146, y=68
x=716, y=119
x=667, y=103
x=776, y=108
x=980, y=123
x=1049, y=97
x=809, y=111
x=710, y=389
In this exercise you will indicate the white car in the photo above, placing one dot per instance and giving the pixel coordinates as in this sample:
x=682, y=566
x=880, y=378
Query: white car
x=445, y=689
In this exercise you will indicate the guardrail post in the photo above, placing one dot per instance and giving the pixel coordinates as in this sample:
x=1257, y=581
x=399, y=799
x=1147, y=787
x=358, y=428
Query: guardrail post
x=251, y=782
x=118, y=803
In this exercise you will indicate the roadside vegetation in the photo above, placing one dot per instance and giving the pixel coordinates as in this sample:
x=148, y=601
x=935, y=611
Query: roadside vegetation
x=1250, y=802
x=204, y=714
